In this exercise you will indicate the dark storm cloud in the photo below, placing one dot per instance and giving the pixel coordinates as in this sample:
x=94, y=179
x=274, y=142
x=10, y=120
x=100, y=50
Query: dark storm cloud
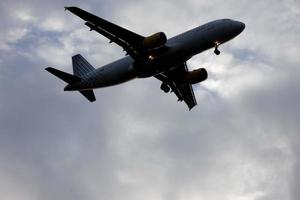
x=134, y=142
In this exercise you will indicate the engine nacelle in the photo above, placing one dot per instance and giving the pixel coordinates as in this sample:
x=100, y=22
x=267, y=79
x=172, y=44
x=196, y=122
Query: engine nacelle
x=195, y=76
x=155, y=40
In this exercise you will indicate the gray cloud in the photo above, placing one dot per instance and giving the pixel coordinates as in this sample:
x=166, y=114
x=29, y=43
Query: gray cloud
x=134, y=142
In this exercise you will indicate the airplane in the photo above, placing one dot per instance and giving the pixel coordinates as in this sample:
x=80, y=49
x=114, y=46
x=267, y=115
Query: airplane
x=151, y=56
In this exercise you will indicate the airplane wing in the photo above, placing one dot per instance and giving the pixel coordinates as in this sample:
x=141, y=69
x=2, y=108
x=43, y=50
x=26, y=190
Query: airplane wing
x=130, y=41
x=183, y=91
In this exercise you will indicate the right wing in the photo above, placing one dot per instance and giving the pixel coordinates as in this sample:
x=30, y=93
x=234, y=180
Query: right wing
x=183, y=91
x=130, y=41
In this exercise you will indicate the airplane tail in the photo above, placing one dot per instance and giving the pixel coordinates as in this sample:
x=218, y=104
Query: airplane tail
x=80, y=68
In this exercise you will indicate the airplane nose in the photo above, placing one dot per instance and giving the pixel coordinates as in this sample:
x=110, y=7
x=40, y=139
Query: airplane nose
x=238, y=27
x=242, y=26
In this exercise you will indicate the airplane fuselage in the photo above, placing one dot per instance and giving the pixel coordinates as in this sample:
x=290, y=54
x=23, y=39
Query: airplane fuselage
x=178, y=49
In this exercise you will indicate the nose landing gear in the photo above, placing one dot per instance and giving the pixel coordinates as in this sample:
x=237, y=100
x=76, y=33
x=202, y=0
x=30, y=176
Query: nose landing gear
x=217, y=51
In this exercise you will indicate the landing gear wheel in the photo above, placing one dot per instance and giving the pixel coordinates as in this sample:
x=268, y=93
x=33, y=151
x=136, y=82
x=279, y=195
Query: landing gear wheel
x=217, y=52
x=165, y=87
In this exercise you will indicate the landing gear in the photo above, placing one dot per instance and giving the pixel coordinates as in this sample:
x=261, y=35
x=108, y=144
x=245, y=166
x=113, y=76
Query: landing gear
x=165, y=87
x=216, y=51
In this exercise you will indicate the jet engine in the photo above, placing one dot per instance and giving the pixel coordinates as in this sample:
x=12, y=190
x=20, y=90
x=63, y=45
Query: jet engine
x=155, y=40
x=195, y=76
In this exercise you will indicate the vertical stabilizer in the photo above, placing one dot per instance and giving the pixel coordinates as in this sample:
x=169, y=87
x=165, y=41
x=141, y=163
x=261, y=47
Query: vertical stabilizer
x=81, y=66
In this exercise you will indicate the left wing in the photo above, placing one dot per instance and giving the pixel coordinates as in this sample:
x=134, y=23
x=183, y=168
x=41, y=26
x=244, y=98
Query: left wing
x=183, y=91
x=130, y=41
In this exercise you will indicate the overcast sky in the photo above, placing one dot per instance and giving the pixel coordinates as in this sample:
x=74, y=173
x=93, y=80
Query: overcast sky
x=242, y=141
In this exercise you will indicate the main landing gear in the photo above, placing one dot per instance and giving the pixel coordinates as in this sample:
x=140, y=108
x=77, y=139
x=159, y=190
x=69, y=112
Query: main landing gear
x=217, y=51
x=165, y=87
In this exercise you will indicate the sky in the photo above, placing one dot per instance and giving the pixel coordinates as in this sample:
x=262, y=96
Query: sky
x=242, y=141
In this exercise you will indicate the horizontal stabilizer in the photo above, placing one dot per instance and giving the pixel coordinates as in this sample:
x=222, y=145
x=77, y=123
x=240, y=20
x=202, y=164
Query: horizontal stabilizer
x=89, y=94
x=69, y=78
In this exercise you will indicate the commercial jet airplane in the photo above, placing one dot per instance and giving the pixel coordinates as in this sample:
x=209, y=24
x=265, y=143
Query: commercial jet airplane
x=152, y=56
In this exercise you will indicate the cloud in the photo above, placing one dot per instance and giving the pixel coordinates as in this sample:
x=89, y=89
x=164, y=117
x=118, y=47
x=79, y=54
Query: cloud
x=135, y=142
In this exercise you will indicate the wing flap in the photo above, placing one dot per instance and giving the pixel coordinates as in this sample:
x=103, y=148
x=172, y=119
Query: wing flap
x=183, y=91
x=113, y=38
